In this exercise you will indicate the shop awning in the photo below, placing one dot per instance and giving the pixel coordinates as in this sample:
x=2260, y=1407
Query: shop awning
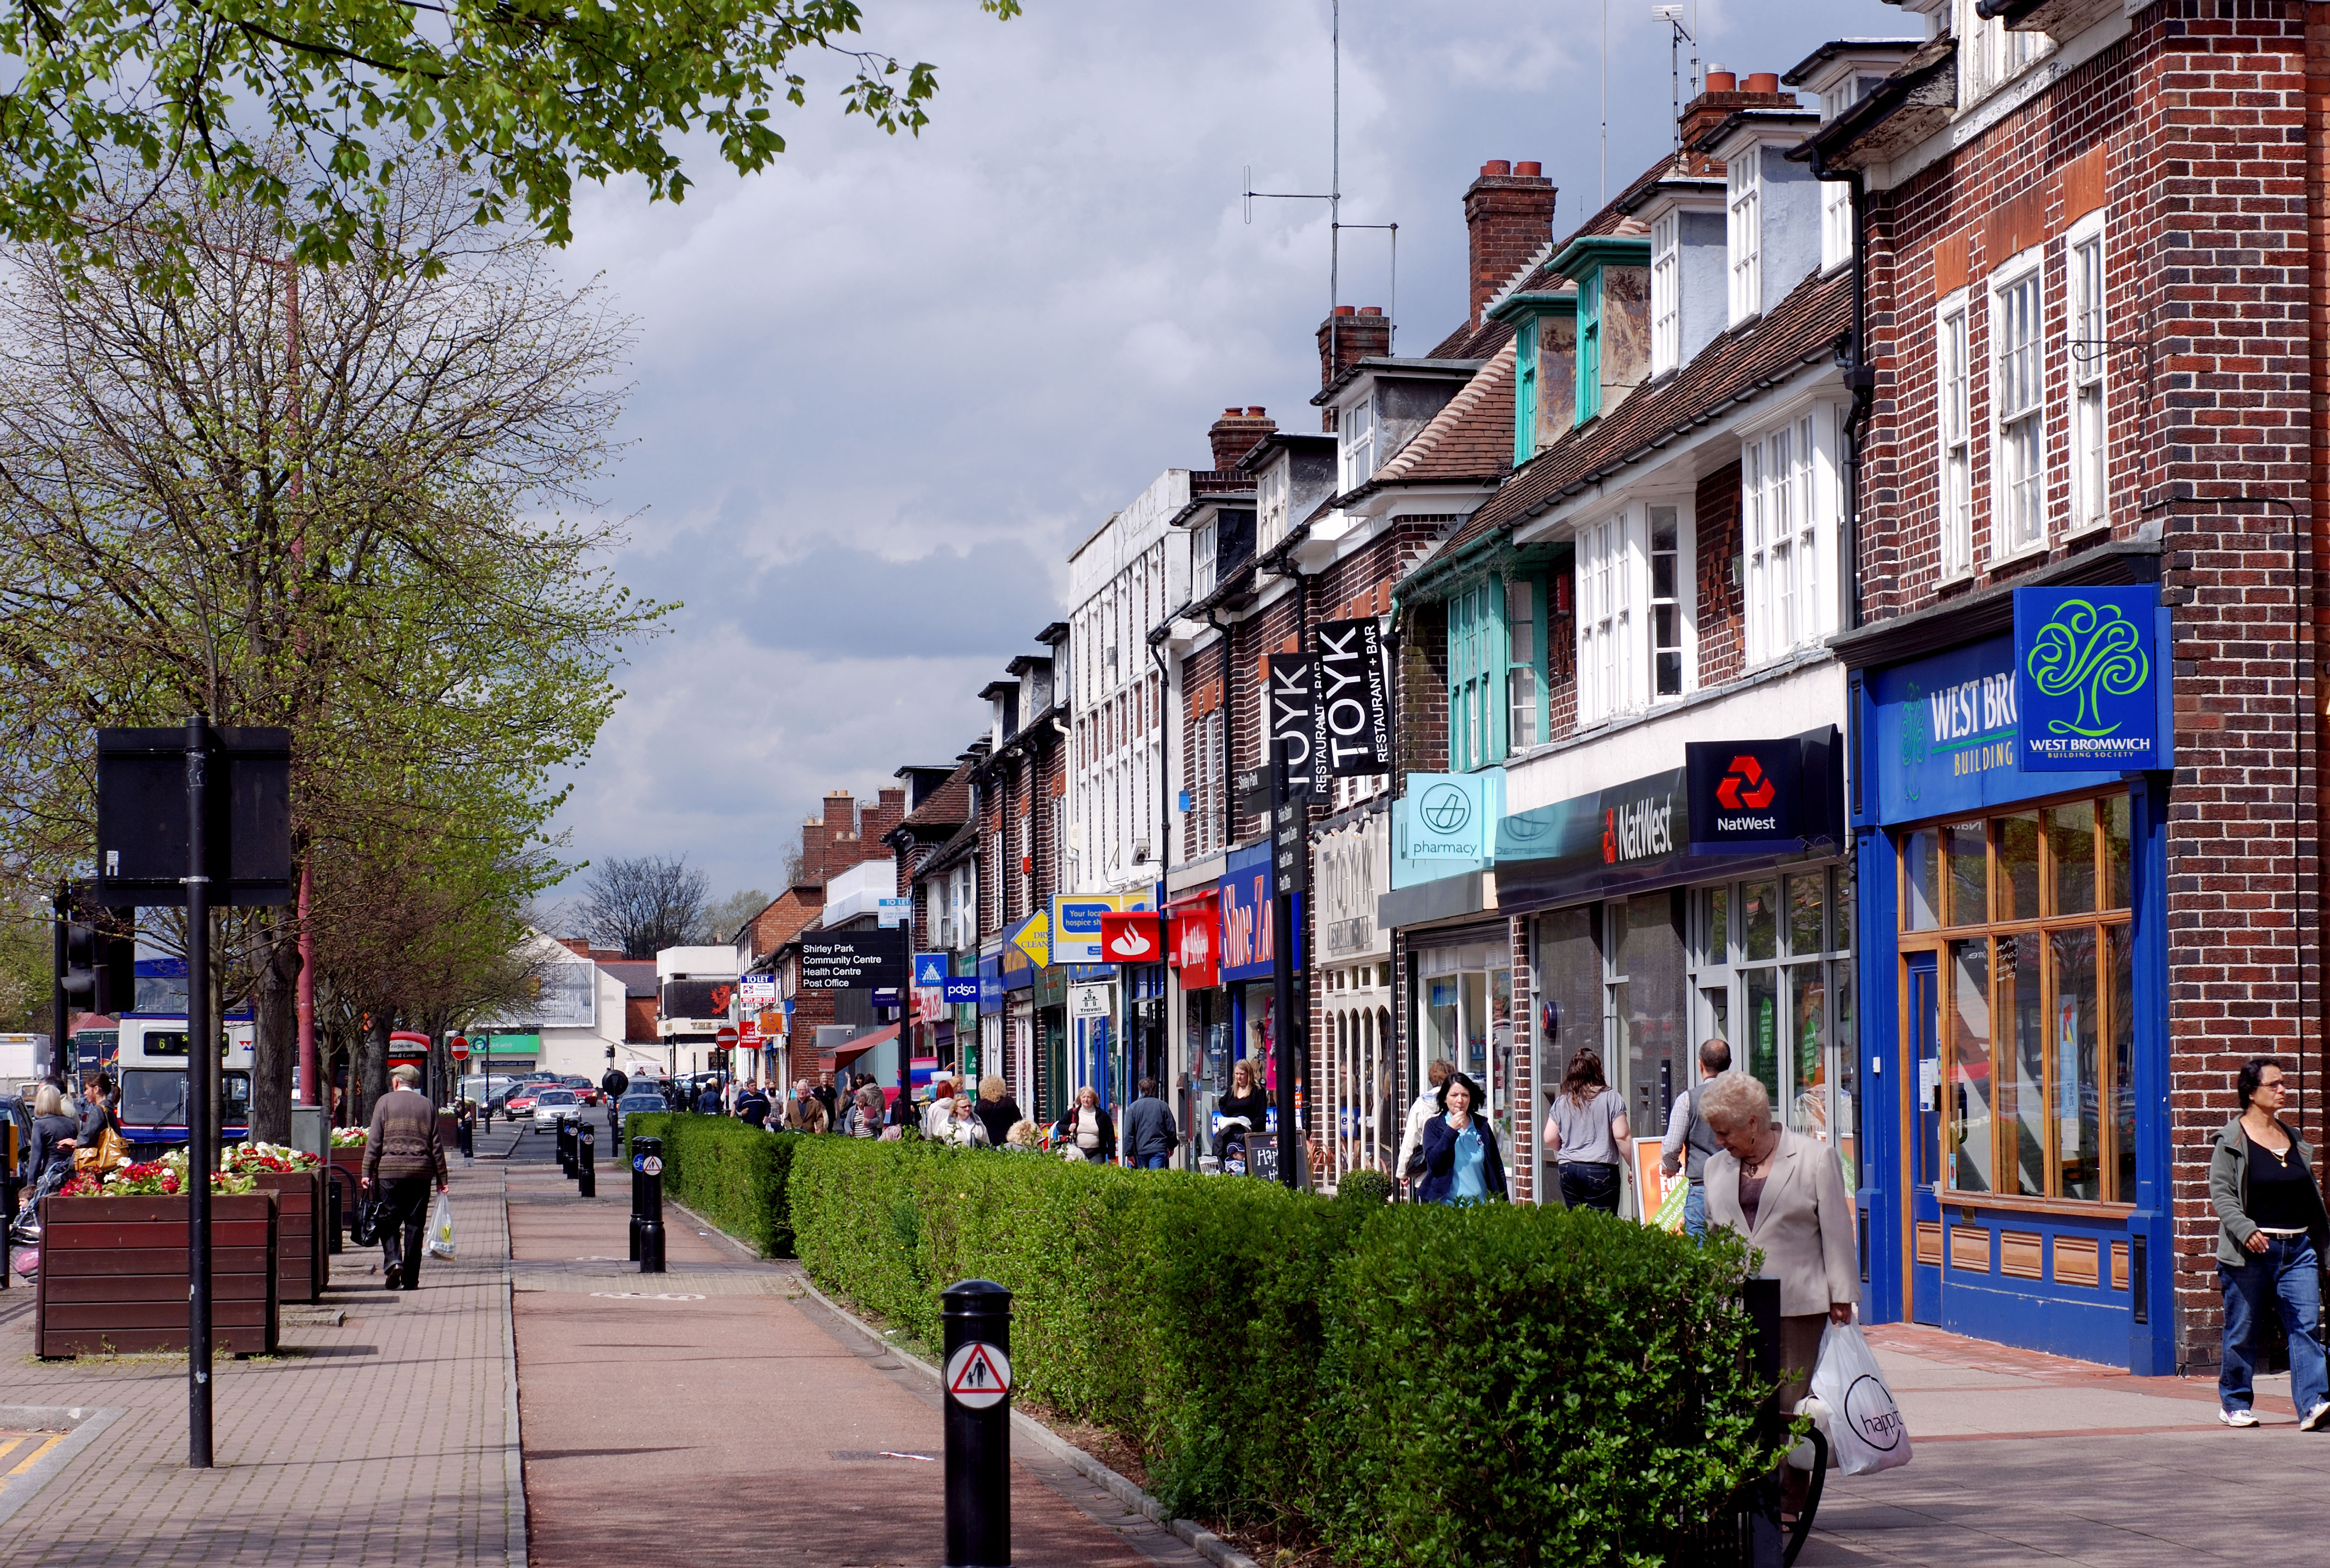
x=833, y=1060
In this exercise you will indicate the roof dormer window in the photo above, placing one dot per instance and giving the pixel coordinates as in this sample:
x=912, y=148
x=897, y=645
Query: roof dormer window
x=1666, y=294
x=1355, y=425
x=1743, y=181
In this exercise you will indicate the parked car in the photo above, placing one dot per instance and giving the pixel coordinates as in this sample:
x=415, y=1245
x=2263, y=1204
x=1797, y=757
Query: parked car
x=554, y=1104
x=521, y=1099
x=582, y=1086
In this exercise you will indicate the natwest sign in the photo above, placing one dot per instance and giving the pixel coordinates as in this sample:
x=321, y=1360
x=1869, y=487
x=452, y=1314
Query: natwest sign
x=1193, y=943
x=1759, y=796
x=1130, y=937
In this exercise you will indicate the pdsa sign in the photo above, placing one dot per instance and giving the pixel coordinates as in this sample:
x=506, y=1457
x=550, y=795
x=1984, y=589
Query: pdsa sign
x=2088, y=685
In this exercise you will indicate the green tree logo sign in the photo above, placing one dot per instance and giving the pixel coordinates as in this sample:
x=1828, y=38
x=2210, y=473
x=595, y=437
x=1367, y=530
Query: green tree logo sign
x=2093, y=650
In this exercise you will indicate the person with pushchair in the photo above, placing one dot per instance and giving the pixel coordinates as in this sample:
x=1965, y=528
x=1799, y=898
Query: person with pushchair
x=49, y=1161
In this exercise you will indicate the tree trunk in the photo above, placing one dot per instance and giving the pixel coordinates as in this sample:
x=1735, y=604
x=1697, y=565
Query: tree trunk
x=371, y=1076
x=275, y=1027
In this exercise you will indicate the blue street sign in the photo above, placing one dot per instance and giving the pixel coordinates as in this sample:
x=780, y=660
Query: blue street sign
x=960, y=988
x=930, y=969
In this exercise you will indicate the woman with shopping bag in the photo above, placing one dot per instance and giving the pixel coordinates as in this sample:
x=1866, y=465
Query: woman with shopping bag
x=1784, y=1193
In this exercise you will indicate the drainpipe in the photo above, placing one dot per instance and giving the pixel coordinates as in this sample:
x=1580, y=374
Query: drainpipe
x=1229, y=748
x=1860, y=378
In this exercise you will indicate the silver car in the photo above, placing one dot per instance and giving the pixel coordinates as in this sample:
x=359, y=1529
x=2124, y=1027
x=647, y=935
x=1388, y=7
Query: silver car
x=554, y=1104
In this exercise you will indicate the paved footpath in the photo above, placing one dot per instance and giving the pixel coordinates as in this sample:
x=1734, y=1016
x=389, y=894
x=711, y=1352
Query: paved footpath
x=717, y=1414
x=391, y=1439
x=2023, y=1458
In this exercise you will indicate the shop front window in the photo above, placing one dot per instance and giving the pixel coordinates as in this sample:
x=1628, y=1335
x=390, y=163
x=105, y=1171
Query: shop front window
x=1465, y=997
x=2030, y=923
x=1365, y=1111
x=1774, y=979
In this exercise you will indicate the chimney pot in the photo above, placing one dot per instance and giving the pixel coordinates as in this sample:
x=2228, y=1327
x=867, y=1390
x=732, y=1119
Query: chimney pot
x=1371, y=309
x=1720, y=81
x=1529, y=170
x=1231, y=413
x=1346, y=337
x=1497, y=166
x=1237, y=433
x=1764, y=82
x=1255, y=411
x=1347, y=310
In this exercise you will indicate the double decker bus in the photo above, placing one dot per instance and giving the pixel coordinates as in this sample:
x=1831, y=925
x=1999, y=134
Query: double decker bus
x=150, y=1062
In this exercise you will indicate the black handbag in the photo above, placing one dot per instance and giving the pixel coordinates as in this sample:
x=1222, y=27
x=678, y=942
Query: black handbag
x=364, y=1227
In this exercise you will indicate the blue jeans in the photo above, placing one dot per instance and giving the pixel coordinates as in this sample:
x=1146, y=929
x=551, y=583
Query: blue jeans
x=1694, y=1211
x=2287, y=1269
x=1154, y=1163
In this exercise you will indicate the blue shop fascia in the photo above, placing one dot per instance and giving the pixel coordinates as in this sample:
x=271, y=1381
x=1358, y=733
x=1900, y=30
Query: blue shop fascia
x=2011, y=764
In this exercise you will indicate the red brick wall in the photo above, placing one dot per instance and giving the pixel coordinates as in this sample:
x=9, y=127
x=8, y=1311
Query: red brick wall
x=1722, y=641
x=2211, y=169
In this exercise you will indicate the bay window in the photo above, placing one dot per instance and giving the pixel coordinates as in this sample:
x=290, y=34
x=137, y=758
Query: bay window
x=1666, y=294
x=1788, y=502
x=1744, y=231
x=1476, y=668
x=1524, y=654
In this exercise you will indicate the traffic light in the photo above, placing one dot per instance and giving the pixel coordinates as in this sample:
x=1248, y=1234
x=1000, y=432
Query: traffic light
x=98, y=963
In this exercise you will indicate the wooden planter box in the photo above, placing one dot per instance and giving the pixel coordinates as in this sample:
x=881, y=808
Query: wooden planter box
x=302, y=1214
x=113, y=1276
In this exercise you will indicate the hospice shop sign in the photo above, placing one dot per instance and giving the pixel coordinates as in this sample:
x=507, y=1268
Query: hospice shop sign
x=2089, y=681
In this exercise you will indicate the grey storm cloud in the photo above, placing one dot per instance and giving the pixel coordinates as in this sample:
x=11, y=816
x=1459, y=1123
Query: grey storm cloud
x=989, y=598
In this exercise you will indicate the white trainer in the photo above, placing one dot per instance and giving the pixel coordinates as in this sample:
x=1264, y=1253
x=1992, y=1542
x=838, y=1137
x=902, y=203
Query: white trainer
x=2240, y=1418
x=2316, y=1418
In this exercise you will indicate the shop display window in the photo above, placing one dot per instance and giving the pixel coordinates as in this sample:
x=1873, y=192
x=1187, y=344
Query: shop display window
x=2028, y=913
x=1464, y=1000
x=1365, y=1112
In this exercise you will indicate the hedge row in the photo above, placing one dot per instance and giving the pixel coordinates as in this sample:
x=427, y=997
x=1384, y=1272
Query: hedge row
x=1416, y=1385
x=732, y=1175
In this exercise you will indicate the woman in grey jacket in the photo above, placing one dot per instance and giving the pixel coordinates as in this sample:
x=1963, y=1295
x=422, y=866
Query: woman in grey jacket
x=2270, y=1228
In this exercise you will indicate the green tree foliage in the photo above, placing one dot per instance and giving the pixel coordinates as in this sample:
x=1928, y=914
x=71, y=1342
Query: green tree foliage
x=112, y=100
x=362, y=540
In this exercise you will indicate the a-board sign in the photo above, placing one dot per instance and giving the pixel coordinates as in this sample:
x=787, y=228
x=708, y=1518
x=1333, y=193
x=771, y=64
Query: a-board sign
x=854, y=960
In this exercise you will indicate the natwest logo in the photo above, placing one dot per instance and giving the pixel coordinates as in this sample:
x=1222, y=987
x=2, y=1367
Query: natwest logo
x=1745, y=786
x=1638, y=831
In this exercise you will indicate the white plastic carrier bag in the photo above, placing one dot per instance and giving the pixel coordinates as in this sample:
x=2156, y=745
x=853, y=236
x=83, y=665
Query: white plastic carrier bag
x=441, y=1230
x=1865, y=1428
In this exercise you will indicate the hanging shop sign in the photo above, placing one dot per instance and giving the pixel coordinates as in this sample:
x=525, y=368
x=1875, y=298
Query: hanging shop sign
x=1075, y=926
x=1764, y=796
x=1249, y=948
x=2090, y=686
x=1445, y=825
x=960, y=988
x=1088, y=1000
x=1350, y=876
x=1031, y=939
x=1130, y=936
x=990, y=981
x=1193, y=943
x=1294, y=721
x=1353, y=695
x=930, y=969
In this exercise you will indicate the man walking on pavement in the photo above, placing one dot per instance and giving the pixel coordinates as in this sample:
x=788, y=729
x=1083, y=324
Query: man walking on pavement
x=402, y=1152
x=753, y=1106
x=1689, y=1140
x=1150, y=1135
x=708, y=1099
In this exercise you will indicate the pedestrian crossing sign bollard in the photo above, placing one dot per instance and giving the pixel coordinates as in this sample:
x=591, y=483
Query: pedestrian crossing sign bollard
x=647, y=1159
x=977, y=1315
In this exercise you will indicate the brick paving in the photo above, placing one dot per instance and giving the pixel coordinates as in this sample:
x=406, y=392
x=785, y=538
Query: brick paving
x=739, y=1422
x=389, y=1439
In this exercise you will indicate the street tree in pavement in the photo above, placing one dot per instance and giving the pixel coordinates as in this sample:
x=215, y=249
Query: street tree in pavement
x=391, y=548
x=112, y=102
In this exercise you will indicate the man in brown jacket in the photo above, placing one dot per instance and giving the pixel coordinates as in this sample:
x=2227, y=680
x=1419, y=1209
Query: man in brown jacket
x=402, y=1152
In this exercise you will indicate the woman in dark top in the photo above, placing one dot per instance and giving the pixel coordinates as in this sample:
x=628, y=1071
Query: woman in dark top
x=1246, y=1099
x=97, y=1110
x=2271, y=1228
x=54, y=1138
x=997, y=1111
x=1462, y=1162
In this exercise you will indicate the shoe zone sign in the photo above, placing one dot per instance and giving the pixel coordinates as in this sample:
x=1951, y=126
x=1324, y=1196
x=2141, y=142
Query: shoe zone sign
x=2091, y=694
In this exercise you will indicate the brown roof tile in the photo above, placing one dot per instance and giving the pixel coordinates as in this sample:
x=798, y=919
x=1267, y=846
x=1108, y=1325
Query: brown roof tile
x=949, y=805
x=1798, y=331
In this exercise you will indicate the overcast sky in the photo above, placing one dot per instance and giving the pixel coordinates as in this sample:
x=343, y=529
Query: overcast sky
x=884, y=386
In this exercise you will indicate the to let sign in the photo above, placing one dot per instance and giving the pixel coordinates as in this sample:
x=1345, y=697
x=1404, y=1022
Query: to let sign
x=2089, y=686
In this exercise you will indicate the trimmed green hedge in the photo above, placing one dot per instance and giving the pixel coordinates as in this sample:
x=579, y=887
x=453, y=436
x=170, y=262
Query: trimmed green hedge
x=731, y=1173
x=1414, y=1385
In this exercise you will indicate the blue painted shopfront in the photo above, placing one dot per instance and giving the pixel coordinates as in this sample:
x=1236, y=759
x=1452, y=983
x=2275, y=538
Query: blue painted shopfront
x=2015, y=1033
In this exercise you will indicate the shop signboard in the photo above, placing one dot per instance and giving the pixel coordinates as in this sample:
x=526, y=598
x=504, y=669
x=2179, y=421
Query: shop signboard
x=1939, y=737
x=1130, y=936
x=990, y=981
x=1248, y=946
x=2090, y=686
x=1019, y=961
x=930, y=969
x=960, y=988
x=1088, y=1002
x=696, y=1006
x=1031, y=938
x=1193, y=941
x=1764, y=796
x=1075, y=926
x=1445, y=825
x=1354, y=724
x=1349, y=878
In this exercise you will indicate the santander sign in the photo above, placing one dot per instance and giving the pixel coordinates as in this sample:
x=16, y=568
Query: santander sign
x=1130, y=937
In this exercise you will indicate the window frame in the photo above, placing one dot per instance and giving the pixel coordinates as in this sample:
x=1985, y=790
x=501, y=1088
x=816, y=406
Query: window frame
x=1954, y=431
x=1789, y=595
x=1476, y=675
x=2020, y=427
x=1589, y=345
x=1526, y=361
x=1997, y=927
x=1666, y=293
x=1532, y=662
x=2087, y=336
x=1355, y=441
x=1743, y=231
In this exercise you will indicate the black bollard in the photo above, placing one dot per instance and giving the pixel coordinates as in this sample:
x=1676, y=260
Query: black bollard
x=586, y=1161
x=976, y=1318
x=566, y=1148
x=647, y=1158
x=638, y=1202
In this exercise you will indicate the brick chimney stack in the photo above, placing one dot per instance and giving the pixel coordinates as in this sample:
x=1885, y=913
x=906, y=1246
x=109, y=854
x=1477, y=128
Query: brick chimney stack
x=1508, y=212
x=1237, y=434
x=1722, y=94
x=1352, y=334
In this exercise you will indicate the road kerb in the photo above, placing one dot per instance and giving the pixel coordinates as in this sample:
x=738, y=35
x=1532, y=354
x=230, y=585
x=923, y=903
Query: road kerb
x=1213, y=1548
